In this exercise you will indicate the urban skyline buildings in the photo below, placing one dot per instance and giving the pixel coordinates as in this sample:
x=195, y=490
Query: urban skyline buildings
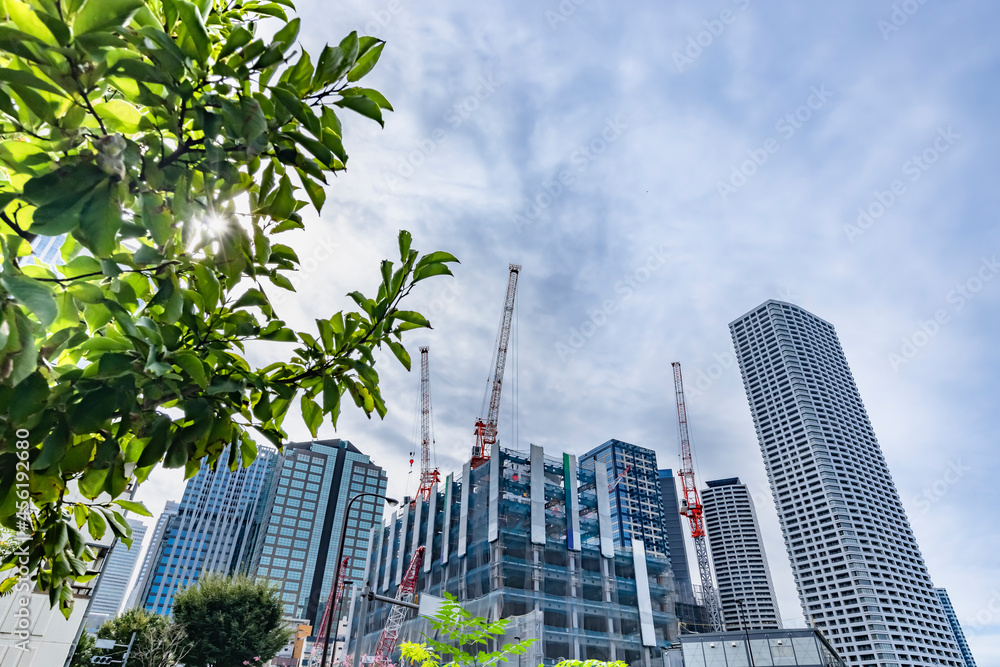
x=742, y=576
x=673, y=529
x=208, y=533
x=169, y=510
x=117, y=573
x=298, y=523
x=856, y=564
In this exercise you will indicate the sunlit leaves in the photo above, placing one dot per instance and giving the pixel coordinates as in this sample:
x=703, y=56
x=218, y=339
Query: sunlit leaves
x=168, y=145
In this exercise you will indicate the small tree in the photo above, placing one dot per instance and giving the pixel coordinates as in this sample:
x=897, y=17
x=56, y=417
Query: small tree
x=145, y=624
x=461, y=636
x=231, y=619
x=84, y=651
x=163, y=646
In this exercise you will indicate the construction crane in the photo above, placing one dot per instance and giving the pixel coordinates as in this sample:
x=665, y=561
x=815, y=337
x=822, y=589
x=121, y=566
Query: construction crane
x=691, y=507
x=618, y=480
x=428, y=476
x=486, y=429
x=390, y=633
x=332, y=604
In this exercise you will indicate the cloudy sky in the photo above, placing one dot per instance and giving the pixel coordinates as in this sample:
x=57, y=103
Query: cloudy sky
x=659, y=169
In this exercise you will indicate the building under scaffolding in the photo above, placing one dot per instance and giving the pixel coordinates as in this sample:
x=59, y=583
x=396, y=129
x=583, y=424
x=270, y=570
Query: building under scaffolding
x=528, y=537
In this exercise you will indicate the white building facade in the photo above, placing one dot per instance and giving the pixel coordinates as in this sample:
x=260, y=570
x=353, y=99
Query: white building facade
x=741, y=571
x=860, y=575
x=117, y=573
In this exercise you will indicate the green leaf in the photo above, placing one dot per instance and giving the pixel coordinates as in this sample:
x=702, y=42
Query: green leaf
x=311, y=414
x=239, y=36
x=192, y=26
x=33, y=295
x=132, y=506
x=363, y=106
x=431, y=270
x=193, y=366
x=100, y=221
x=412, y=317
x=119, y=115
x=365, y=63
x=20, y=78
x=252, y=297
x=401, y=353
x=99, y=14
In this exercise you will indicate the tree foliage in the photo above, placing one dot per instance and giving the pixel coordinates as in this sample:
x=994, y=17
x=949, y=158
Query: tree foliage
x=460, y=639
x=169, y=148
x=231, y=619
x=144, y=624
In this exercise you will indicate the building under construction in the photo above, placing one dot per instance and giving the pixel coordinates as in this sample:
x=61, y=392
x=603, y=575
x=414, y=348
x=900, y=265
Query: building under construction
x=526, y=537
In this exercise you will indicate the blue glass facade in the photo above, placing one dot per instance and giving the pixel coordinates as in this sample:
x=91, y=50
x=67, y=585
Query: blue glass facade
x=298, y=526
x=209, y=532
x=636, y=503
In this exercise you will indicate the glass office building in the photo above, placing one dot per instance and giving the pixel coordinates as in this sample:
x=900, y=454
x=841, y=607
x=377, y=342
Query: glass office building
x=527, y=537
x=298, y=525
x=636, y=503
x=208, y=533
x=117, y=573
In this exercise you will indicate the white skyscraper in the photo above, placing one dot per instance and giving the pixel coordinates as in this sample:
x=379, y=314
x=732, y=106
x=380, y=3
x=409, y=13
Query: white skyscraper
x=860, y=575
x=117, y=573
x=741, y=571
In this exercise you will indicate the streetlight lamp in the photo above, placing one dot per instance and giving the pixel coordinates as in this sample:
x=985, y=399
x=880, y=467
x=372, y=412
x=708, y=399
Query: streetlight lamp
x=325, y=632
x=746, y=631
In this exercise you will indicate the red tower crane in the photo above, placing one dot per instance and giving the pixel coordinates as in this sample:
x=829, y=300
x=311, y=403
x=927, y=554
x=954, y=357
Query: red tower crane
x=486, y=428
x=691, y=507
x=428, y=476
x=332, y=605
x=390, y=633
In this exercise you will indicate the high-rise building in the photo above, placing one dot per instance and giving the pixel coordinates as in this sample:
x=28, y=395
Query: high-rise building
x=298, y=526
x=209, y=532
x=741, y=572
x=169, y=510
x=956, y=627
x=857, y=567
x=117, y=573
x=673, y=530
x=636, y=504
x=528, y=538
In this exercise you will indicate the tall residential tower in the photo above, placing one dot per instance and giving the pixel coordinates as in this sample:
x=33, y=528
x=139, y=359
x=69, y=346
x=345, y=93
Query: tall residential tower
x=858, y=570
x=741, y=571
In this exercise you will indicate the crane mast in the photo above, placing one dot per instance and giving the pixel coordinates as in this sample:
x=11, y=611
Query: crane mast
x=692, y=509
x=390, y=633
x=428, y=476
x=486, y=428
x=332, y=605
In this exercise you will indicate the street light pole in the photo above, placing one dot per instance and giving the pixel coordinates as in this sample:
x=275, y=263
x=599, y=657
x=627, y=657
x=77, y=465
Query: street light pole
x=746, y=632
x=325, y=632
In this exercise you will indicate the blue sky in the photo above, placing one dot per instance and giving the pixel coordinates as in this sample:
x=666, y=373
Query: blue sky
x=660, y=169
